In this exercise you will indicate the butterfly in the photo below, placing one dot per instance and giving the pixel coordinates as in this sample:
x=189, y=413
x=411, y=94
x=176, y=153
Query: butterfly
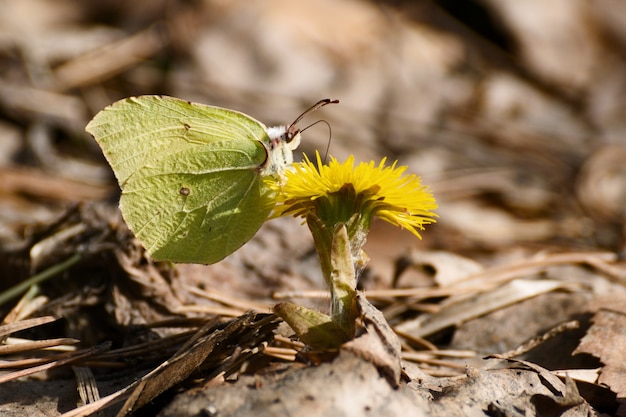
x=192, y=174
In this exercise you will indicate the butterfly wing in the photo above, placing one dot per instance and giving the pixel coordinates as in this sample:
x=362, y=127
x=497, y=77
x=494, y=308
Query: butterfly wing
x=137, y=130
x=189, y=173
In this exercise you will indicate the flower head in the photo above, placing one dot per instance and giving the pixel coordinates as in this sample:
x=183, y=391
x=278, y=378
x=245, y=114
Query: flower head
x=339, y=201
x=338, y=192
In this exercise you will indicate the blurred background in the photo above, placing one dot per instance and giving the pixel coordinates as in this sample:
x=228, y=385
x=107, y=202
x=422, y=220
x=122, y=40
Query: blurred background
x=514, y=113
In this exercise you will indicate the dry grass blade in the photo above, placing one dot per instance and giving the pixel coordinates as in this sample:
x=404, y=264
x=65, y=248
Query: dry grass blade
x=439, y=362
x=96, y=406
x=209, y=310
x=87, y=387
x=79, y=355
x=532, y=266
x=285, y=341
x=439, y=353
x=27, y=305
x=30, y=362
x=425, y=360
x=235, y=302
x=7, y=329
x=280, y=295
x=146, y=349
x=286, y=354
x=421, y=293
x=25, y=346
x=478, y=305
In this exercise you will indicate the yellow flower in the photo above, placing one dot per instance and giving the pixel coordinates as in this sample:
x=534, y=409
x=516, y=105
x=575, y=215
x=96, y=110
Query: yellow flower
x=338, y=192
x=338, y=202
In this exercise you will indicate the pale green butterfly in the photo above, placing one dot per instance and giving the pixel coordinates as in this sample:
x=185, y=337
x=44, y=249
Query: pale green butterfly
x=192, y=175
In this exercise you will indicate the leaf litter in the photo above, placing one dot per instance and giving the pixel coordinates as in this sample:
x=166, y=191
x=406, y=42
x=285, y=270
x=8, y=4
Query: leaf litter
x=520, y=139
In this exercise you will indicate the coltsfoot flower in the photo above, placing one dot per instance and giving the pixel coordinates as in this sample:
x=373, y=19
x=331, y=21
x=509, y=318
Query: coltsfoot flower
x=338, y=202
x=338, y=191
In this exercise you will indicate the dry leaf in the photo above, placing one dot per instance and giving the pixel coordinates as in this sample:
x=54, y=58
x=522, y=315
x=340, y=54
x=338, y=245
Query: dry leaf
x=377, y=342
x=606, y=340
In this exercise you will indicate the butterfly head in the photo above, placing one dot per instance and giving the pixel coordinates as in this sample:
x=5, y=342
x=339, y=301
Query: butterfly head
x=283, y=140
x=280, y=150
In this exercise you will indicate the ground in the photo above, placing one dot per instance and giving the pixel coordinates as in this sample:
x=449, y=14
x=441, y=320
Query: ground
x=512, y=304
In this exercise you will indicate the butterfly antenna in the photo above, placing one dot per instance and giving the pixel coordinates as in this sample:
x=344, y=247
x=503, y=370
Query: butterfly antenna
x=330, y=136
x=311, y=109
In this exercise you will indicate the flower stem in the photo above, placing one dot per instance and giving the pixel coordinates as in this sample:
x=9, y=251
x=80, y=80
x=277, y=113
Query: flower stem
x=342, y=281
x=337, y=262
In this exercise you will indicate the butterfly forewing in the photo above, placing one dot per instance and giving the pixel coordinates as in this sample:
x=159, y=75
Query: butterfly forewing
x=136, y=130
x=189, y=173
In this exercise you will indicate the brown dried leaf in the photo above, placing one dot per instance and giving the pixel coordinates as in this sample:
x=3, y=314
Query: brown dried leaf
x=377, y=343
x=449, y=267
x=504, y=392
x=606, y=340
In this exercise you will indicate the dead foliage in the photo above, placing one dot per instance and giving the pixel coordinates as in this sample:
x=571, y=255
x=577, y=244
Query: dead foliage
x=511, y=305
